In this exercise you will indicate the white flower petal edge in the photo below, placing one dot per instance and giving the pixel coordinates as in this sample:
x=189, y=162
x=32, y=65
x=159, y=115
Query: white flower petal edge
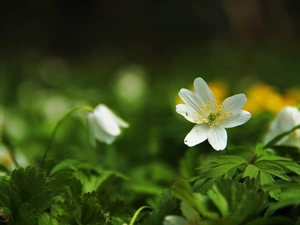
x=287, y=118
x=217, y=137
x=174, y=220
x=236, y=120
x=197, y=135
x=189, y=98
x=104, y=125
x=201, y=89
x=96, y=131
x=234, y=103
x=187, y=111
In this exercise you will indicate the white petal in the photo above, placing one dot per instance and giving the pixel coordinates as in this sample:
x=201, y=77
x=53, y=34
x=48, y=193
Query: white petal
x=217, y=137
x=234, y=103
x=191, y=99
x=287, y=118
x=187, y=111
x=197, y=135
x=106, y=119
x=97, y=132
x=174, y=220
x=201, y=88
x=236, y=119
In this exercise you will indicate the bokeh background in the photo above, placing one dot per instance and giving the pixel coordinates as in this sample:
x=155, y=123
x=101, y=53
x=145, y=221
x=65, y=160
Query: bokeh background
x=134, y=56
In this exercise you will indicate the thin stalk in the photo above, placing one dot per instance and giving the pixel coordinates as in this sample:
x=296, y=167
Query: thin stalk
x=86, y=108
x=137, y=213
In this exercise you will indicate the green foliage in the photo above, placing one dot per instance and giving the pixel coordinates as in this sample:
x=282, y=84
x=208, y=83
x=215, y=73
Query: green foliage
x=25, y=195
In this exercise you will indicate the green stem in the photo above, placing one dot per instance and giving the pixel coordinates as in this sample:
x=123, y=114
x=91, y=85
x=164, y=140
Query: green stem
x=137, y=213
x=227, y=151
x=86, y=108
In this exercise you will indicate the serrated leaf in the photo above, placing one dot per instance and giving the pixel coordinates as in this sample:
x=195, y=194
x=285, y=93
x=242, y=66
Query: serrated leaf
x=237, y=197
x=273, y=168
x=251, y=171
x=292, y=166
x=26, y=215
x=219, y=171
x=219, y=166
x=31, y=187
x=265, y=178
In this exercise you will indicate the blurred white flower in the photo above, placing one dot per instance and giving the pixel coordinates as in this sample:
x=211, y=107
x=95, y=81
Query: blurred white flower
x=175, y=220
x=210, y=118
x=286, y=119
x=190, y=216
x=104, y=125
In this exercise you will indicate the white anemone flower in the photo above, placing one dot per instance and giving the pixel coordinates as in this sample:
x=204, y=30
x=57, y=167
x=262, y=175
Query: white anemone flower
x=287, y=119
x=210, y=118
x=104, y=125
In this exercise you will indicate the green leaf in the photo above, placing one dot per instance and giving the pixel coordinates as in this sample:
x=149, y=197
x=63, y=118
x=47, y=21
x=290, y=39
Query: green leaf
x=265, y=178
x=26, y=215
x=219, y=166
x=219, y=171
x=47, y=219
x=251, y=171
x=169, y=206
x=31, y=187
x=189, y=212
x=273, y=168
x=182, y=190
x=291, y=166
x=290, y=196
x=64, y=185
x=219, y=201
x=243, y=201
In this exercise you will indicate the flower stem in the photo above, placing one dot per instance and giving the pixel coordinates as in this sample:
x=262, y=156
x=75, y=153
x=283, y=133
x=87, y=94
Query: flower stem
x=85, y=108
x=253, y=158
x=137, y=213
x=227, y=151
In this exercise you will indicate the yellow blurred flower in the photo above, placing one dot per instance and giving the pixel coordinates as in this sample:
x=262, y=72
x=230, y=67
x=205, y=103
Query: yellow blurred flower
x=292, y=97
x=262, y=97
x=6, y=159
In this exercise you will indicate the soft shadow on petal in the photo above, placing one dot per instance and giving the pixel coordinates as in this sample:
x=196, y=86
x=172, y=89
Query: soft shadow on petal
x=234, y=103
x=187, y=111
x=287, y=118
x=201, y=88
x=106, y=120
x=197, y=135
x=96, y=132
x=217, y=137
x=189, y=98
x=236, y=119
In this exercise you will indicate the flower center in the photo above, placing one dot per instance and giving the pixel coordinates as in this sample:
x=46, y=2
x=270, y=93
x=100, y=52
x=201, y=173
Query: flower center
x=211, y=113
